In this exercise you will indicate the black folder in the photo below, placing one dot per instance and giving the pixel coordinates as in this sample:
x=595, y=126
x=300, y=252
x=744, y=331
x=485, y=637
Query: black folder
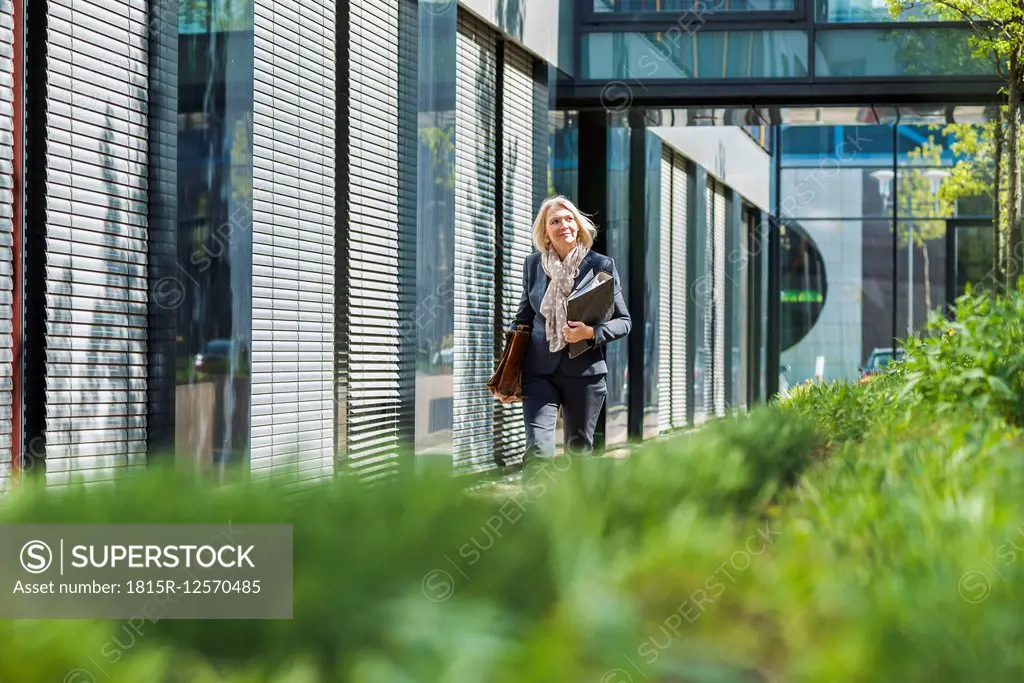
x=592, y=303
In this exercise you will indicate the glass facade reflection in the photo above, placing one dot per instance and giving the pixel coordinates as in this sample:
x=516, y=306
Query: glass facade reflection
x=435, y=230
x=563, y=155
x=920, y=272
x=698, y=54
x=695, y=7
x=737, y=280
x=804, y=288
x=616, y=235
x=866, y=11
x=866, y=253
x=974, y=249
x=918, y=51
x=215, y=172
x=652, y=276
x=868, y=249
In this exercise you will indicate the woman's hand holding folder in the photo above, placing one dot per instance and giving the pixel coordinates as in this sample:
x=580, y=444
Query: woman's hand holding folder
x=591, y=304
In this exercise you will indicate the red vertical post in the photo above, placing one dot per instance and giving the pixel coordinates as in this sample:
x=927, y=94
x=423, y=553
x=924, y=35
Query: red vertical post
x=18, y=106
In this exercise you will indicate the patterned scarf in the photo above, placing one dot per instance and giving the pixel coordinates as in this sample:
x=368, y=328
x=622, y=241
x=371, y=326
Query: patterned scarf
x=563, y=274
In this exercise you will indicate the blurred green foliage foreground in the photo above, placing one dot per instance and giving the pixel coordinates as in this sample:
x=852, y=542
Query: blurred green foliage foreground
x=853, y=532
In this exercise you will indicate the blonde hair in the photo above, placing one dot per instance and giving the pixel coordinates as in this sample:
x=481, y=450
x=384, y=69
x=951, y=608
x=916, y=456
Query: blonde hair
x=587, y=229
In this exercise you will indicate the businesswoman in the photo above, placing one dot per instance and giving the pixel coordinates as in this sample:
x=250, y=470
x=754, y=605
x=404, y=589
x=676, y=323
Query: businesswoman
x=551, y=378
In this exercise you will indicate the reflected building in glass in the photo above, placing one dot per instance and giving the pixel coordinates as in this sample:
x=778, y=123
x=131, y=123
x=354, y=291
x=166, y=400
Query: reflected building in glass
x=213, y=360
x=869, y=251
x=433, y=319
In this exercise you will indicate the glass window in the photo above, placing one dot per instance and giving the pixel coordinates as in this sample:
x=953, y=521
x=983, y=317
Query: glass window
x=974, y=206
x=683, y=53
x=696, y=7
x=215, y=172
x=868, y=292
x=827, y=191
x=737, y=263
x=926, y=157
x=920, y=272
x=563, y=154
x=842, y=145
x=919, y=189
x=919, y=51
x=806, y=140
x=835, y=298
x=838, y=287
x=804, y=283
x=652, y=285
x=911, y=138
x=868, y=11
x=434, y=310
x=975, y=247
x=616, y=229
x=851, y=175
x=761, y=259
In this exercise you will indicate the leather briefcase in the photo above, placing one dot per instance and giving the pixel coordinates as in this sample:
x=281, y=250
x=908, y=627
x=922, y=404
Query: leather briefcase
x=507, y=380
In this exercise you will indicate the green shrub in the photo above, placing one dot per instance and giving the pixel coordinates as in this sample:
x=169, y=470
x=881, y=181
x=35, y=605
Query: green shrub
x=975, y=362
x=358, y=552
x=531, y=569
x=865, y=574
x=730, y=553
x=734, y=465
x=845, y=412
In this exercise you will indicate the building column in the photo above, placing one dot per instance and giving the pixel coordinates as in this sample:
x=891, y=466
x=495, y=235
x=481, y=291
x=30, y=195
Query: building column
x=637, y=303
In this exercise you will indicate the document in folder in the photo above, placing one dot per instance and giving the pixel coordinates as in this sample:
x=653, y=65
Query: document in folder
x=592, y=303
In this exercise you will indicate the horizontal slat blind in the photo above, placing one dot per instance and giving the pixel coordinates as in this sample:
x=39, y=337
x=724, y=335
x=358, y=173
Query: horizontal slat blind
x=293, y=238
x=721, y=210
x=96, y=243
x=6, y=236
x=542, y=132
x=519, y=147
x=666, y=395
x=475, y=123
x=706, y=291
x=680, y=299
x=374, y=378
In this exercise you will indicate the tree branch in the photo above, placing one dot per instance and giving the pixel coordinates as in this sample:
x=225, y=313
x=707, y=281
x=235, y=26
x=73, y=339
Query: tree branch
x=975, y=26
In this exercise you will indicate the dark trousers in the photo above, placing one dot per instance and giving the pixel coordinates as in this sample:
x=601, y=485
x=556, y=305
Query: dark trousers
x=581, y=400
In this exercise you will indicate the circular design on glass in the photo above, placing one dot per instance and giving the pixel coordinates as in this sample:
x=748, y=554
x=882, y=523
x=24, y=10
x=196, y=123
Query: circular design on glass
x=804, y=285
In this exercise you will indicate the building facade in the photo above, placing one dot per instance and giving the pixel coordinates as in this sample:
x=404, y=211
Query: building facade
x=285, y=238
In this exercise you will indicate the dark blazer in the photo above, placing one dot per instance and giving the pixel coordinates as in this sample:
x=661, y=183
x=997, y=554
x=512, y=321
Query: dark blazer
x=539, y=360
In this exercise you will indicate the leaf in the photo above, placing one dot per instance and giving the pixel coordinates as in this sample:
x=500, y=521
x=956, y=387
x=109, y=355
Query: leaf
x=975, y=373
x=1000, y=387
